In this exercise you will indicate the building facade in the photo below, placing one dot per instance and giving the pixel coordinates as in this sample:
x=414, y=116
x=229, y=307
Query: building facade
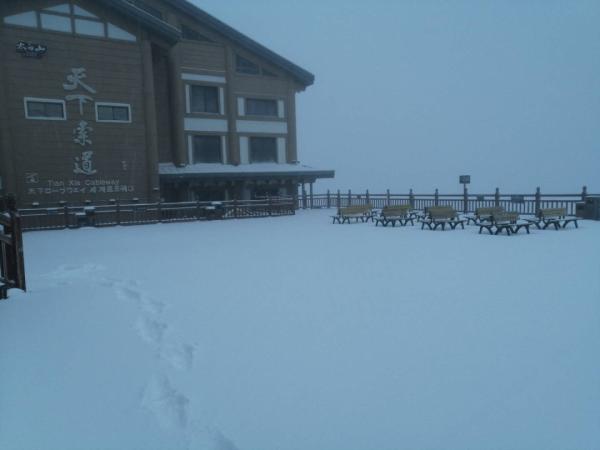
x=152, y=99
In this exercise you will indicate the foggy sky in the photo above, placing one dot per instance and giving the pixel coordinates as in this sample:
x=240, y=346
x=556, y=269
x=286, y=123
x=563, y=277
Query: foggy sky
x=415, y=93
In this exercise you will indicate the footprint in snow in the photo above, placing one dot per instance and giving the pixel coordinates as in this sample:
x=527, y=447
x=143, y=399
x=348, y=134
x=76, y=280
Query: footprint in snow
x=180, y=356
x=151, y=331
x=167, y=404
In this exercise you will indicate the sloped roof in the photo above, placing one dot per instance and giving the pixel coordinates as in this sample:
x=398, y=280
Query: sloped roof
x=301, y=75
x=172, y=34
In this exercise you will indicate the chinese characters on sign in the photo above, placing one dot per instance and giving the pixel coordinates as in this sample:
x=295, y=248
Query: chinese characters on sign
x=31, y=50
x=88, y=186
x=83, y=164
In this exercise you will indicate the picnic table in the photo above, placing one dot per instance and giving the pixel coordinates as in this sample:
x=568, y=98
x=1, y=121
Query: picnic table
x=440, y=216
x=504, y=221
x=364, y=213
x=396, y=213
x=556, y=217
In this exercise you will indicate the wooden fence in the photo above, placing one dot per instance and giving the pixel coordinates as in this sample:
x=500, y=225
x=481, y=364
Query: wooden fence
x=12, y=264
x=136, y=213
x=465, y=202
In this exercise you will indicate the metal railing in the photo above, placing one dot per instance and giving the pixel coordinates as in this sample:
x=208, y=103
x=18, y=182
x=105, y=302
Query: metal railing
x=521, y=203
x=138, y=213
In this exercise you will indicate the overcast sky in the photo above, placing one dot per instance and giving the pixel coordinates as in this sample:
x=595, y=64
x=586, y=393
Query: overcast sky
x=415, y=93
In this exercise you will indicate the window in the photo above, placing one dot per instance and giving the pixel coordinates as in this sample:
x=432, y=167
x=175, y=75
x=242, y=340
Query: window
x=263, y=149
x=62, y=17
x=243, y=65
x=89, y=27
x=44, y=109
x=115, y=32
x=204, y=99
x=26, y=19
x=206, y=149
x=261, y=107
x=113, y=112
x=56, y=23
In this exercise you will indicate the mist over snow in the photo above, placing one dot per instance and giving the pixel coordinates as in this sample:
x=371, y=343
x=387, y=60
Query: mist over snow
x=415, y=93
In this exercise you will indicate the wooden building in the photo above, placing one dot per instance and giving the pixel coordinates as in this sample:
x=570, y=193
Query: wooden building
x=148, y=99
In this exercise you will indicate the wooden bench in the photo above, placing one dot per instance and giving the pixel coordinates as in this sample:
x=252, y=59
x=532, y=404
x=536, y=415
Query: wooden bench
x=440, y=216
x=392, y=214
x=358, y=212
x=504, y=221
x=483, y=215
x=552, y=216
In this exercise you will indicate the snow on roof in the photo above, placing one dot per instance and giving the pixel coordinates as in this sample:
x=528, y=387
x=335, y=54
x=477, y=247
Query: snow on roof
x=246, y=170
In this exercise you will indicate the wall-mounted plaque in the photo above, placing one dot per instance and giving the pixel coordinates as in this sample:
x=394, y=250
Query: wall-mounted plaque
x=31, y=50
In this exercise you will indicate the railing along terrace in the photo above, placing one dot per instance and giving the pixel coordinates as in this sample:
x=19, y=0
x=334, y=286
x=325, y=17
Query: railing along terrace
x=522, y=203
x=113, y=213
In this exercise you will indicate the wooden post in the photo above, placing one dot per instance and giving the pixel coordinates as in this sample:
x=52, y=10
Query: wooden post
x=538, y=200
x=411, y=198
x=349, y=197
x=339, y=199
x=303, y=196
x=497, y=197
x=465, y=199
x=368, y=197
x=436, y=197
x=387, y=196
x=584, y=193
x=328, y=199
x=66, y=216
x=310, y=187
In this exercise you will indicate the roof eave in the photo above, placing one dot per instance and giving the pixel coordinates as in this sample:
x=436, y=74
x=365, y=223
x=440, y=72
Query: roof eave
x=301, y=75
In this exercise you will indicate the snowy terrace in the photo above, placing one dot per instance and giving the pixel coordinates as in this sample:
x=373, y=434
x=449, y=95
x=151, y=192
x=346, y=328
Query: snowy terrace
x=290, y=333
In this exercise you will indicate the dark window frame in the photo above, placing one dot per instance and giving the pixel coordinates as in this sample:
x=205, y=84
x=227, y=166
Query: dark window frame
x=258, y=149
x=113, y=107
x=30, y=101
x=204, y=105
x=197, y=139
x=263, y=107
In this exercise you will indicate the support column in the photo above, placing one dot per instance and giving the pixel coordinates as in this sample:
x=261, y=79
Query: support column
x=303, y=196
x=233, y=140
x=177, y=103
x=150, y=116
x=310, y=187
x=7, y=167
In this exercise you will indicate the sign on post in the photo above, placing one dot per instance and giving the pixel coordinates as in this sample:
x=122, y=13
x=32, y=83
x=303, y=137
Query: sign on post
x=464, y=179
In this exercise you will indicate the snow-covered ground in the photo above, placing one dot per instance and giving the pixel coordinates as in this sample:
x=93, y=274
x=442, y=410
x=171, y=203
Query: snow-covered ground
x=292, y=333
